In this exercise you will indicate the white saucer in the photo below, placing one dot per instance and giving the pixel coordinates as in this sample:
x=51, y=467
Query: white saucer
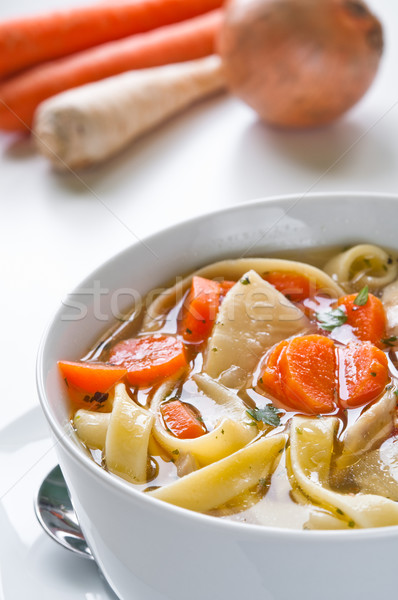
x=31, y=564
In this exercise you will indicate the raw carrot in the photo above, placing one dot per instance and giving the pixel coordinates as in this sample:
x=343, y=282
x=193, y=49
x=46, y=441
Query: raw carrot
x=149, y=359
x=367, y=320
x=188, y=40
x=363, y=374
x=308, y=373
x=200, y=308
x=294, y=286
x=91, y=377
x=181, y=420
x=27, y=41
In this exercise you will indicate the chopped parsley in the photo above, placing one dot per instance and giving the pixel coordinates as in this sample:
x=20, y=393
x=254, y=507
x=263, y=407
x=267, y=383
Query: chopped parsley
x=362, y=296
x=331, y=319
x=339, y=511
x=373, y=374
x=97, y=397
x=351, y=524
x=245, y=280
x=268, y=415
x=176, y=451
x=390, y=341
x=188, y=331
x=262, y=483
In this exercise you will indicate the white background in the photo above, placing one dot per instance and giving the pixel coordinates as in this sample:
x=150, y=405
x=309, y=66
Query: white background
x=55, y=229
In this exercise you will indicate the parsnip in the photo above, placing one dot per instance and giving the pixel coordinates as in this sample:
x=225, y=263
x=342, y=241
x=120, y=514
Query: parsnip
x=88, y=124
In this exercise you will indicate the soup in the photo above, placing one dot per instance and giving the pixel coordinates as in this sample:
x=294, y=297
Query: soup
x=260, y=389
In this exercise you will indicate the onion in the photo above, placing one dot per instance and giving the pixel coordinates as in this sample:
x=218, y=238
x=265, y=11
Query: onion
x=300, y=63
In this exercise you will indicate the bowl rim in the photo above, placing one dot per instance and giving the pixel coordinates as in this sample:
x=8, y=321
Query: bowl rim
x=122, y=487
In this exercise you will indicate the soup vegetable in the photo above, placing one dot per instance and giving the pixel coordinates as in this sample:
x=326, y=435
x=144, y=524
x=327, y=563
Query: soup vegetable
x=262, y=390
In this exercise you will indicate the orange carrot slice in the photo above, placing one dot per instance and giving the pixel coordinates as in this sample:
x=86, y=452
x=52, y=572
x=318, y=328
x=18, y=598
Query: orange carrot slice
x=200, y=310
x=149, y=359
x=225, y=286
x=270, y=377
x=181, y=420
x=368, y=321
x=363, y=374
x=91, y=377
x=308, y=373
x=294, y=286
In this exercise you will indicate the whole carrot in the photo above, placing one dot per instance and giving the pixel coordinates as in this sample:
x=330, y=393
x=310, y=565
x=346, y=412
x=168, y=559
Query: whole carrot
x=27, y=41
x=188, y=40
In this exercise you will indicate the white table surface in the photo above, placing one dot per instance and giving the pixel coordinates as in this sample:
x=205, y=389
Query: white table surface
x=55, y=229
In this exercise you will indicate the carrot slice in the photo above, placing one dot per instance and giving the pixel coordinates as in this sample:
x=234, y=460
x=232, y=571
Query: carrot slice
x=181, y=421
x=363, y=374
x=270, y=378
x=199, y=312
x=294, y=286
x=200, y=308
x=308, y=373
x=368, y=321
x=91, y=377
x=149, y=359
x=225, y=286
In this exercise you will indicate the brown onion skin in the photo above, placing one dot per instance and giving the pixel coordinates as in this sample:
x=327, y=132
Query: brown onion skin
x=300, y=63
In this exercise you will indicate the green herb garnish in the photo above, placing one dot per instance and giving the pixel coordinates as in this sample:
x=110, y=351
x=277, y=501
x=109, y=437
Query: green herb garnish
x=332, y=319
x=351, y=523
x=390, y=341
x=176, y=451
x=97, y=397
x=245, y=281
x=262, y=482
x=188, y=331
x=268, y=415
x=373, y=374
x=362, y=296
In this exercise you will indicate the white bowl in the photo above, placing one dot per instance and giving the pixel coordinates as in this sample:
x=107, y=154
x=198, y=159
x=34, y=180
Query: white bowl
x=154, y=551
